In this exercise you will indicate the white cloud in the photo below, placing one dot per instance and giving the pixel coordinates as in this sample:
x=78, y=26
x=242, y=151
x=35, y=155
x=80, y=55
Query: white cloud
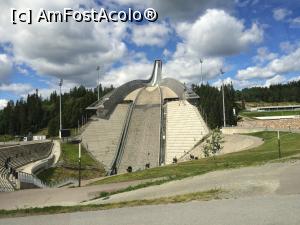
x=152, y=34
x=285, y=64
x=3, y=103
x=16, y=88
x=275, y=80
x=295, y=23
x=130, y=71
x=216, y=33
x=288, y=47
x=238, y=84
x=254, y=72
x=263, y=55
x=68, y=50
x=281, y=13
x=5, y=66
x=178, y=10
x=295, y=78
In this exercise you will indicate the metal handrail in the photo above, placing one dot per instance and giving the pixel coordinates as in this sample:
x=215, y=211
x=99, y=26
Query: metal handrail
x=123, y=138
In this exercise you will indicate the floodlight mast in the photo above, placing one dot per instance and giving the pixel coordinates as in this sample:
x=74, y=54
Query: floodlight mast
x=201, y=61
x=98, y=69
x=60, y=117
x=223, y=98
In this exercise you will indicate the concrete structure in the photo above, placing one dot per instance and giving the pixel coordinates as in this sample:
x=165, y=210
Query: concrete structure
x=158, y=122
x=185, y=127
x=101, y=136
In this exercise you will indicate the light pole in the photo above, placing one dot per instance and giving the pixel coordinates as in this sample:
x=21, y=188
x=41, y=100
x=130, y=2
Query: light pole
x=223, y=98
x=98, y=69
x=201, y=61
x=60, y=119
x=79, y=164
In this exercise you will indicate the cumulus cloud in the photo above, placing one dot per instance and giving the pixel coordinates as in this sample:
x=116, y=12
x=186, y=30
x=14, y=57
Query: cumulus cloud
x=282, y=65
x=254, y=72
x=130, y=71
x=275, y=80
x=178, y=10
x=288, y=47
x=295, y=23
x=5, y=66
x=199, y=39
x=152, y=34
x=263, y=55
x=281, y=13
x=238, y=84
x=3, y=103
x=217, y=33
x=16, y=88
x=68, y=50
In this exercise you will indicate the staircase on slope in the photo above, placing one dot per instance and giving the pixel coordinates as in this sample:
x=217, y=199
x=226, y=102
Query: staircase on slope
x=101, y=137
x=184, y=128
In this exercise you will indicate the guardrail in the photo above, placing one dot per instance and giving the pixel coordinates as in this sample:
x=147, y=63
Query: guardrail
x=30, y=180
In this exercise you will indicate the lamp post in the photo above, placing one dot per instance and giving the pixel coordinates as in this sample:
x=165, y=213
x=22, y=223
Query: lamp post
x=223, y=99
x=98, y=69
x=201, y=61
x=79, y=164
x=60, y=119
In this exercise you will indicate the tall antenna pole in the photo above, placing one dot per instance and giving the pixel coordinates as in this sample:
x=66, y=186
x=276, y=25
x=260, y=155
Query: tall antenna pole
x=98, y=69
x=201, y=61
x=223, y=98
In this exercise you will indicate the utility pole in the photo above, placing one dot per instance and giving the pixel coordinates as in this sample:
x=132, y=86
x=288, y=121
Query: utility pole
x=98, y=80
x=223, y=98
x=60, y=119
x=201, y=61
x=79, y=164
x=278, y=139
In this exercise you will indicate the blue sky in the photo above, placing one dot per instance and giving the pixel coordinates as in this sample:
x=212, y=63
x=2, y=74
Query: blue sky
x=255, y=42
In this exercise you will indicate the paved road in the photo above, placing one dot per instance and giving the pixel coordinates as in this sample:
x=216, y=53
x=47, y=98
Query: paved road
x=266, y=210
x=57, y=196
x=272, y=178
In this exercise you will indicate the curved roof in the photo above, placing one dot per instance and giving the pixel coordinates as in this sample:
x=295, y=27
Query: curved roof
x=109, y=101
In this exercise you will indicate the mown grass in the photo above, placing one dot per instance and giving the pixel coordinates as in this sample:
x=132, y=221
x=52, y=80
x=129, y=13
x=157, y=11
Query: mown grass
x=275, y=113
x=199, y=196
x=290, y=145
x=68, y=166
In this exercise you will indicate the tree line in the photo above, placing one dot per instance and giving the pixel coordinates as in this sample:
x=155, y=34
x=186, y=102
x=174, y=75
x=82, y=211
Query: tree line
x=210, y=104
x=289, y=92
x=35, y=113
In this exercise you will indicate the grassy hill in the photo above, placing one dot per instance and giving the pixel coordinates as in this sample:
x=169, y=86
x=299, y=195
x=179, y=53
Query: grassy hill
x=268, y=151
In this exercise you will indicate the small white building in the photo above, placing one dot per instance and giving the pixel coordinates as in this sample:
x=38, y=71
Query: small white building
x=39, y=138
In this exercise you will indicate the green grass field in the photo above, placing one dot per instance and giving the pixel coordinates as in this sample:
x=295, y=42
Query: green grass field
x=4, y=138
x=290, y=145
x=275, y=113
x=69, y=166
